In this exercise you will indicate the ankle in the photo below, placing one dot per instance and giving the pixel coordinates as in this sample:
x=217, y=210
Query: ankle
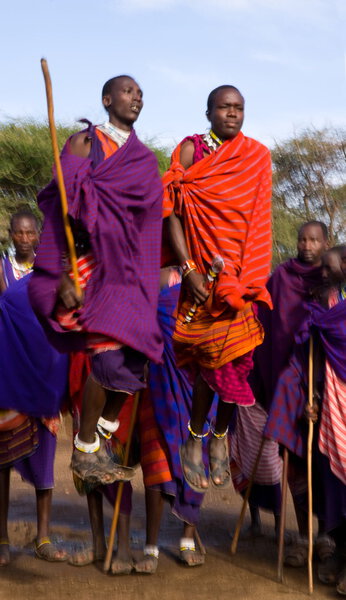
x=197, y=435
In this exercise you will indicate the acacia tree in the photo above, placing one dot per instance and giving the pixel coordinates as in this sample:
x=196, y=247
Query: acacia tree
x=310, y=180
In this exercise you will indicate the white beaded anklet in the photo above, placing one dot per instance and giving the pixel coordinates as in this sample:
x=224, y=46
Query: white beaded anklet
x=106, y=428
x=85, y=447
x=151, y=551
x=187, y=544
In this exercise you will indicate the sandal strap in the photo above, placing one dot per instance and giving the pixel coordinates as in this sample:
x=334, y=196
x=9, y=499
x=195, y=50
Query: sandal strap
x=4, y=542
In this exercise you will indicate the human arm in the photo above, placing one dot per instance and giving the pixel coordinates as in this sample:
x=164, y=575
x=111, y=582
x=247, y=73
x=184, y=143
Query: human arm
x=80, y=145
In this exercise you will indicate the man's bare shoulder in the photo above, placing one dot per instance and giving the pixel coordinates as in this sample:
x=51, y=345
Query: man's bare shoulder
x=80, y=144
x=186, y=153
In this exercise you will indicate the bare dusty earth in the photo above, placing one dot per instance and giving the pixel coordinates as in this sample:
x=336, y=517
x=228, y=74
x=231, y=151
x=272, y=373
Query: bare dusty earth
x=251, y=574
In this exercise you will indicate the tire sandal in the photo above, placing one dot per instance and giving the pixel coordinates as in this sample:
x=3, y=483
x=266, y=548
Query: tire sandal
x=151, y=558
x=188, y=555
x=297, y=553
x=220, y=466
x=84, y=556
x=45, y=550
x=190, y=467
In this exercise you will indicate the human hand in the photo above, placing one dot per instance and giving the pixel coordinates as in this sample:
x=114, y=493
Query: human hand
x=196, y=284
x=67, y=293
x=311, y=412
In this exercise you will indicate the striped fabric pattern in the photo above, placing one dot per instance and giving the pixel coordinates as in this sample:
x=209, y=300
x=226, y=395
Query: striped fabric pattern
x=215, y=342
x=154, y=450
x=332, y=438
x=244, y=445
x=224, y=201
x=18, y=443
x=118, y=202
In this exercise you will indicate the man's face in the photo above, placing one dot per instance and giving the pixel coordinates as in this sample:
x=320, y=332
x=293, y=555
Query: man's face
x=25, y=235
x=124, y=103
x=332, y=273
x=227, y=114
x=311, y=245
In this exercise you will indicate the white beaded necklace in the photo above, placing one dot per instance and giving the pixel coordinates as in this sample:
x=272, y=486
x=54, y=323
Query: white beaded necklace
x=119, y=136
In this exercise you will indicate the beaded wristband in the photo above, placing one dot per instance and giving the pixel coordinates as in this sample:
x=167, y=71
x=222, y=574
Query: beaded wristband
x=188, y=265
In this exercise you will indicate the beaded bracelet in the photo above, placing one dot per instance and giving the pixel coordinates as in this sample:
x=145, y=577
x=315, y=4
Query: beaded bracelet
x=188, y=266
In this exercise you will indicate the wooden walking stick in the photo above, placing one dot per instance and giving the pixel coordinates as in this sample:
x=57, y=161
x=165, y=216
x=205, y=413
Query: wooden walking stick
x=116, y=512
x=59, y=174
x=309, y=464
x=245, y=500
x=283, y=515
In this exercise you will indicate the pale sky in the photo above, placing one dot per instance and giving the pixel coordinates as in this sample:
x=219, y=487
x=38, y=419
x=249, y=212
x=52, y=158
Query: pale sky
x=287, y=57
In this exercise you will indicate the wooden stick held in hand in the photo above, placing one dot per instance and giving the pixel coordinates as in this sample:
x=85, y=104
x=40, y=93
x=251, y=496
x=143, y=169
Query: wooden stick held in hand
x=309, y=464
x=59, y=174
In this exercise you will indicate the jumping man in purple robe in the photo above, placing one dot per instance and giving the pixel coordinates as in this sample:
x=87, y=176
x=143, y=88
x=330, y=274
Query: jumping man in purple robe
x=115, y=205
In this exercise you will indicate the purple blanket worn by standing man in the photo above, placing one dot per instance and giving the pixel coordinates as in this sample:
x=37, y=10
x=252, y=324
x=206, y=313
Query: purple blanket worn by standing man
x=290, y=287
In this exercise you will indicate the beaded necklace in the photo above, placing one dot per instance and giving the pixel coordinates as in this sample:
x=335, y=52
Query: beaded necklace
x=342, y=293
x=212, y=140
x=20, y=269
x=119, y=136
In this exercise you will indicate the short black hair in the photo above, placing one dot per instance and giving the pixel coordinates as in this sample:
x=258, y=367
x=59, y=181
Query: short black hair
x=213, y=93
x=25, y=213
x=107, y=88
x=320, y=224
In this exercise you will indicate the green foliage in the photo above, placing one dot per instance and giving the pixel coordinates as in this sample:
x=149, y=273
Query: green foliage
x=309, y=178
x=25, y=166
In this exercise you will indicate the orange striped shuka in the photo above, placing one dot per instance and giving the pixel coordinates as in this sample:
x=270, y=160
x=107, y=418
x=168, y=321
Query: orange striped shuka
x=224, y=202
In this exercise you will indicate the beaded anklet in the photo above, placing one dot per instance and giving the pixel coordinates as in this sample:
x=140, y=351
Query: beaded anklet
x=151, y=551
x=197, y=436
x=219, y=436
x=85, y=447
x=107, y=428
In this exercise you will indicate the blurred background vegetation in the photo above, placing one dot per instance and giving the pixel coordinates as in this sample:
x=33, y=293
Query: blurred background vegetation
x=309, y=178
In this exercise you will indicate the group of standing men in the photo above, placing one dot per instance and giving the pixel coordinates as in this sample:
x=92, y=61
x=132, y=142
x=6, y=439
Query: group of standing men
x=215, y=252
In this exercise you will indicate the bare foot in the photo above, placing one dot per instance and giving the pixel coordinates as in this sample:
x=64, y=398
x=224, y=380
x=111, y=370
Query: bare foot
x=4, y=554
x=147, y=565
x=122, y=563
x=219, y=461
x=192, y=464
x=86, y=556
x=191, y=558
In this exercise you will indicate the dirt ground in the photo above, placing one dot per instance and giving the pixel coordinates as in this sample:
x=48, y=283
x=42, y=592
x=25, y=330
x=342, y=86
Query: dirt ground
x=251, y=574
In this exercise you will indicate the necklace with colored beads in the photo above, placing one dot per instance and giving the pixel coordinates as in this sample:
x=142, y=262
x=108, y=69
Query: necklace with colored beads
x=212, y=140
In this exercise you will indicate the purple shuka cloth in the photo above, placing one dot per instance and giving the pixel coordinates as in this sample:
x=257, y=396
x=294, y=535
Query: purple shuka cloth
x=38, y=468
x=290, y=287
x=118, y=202
x=33, y=375
x=285, y=422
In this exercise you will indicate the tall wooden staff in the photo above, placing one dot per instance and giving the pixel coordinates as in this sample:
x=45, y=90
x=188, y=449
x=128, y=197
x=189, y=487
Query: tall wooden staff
x=309, y=464
x=116, y=512
x=59, y=174
x=283, y=515
x=245, y=500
